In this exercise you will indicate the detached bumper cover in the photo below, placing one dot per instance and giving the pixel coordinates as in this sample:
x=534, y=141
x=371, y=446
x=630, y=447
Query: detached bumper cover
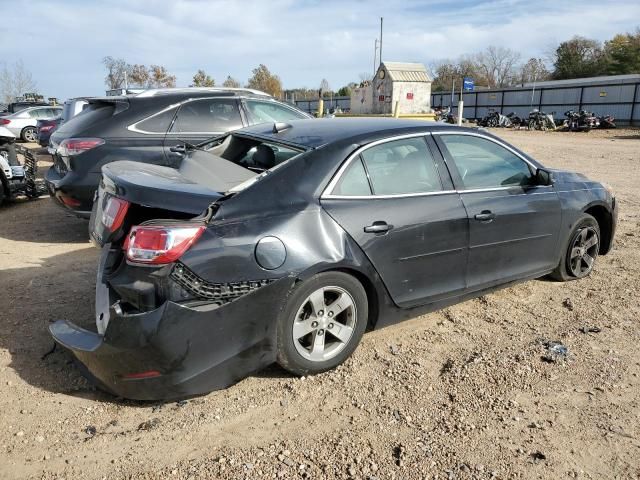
x=195, y=349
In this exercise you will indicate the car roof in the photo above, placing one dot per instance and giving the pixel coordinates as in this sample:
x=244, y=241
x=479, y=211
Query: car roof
x=200, y=91
x=314, y=133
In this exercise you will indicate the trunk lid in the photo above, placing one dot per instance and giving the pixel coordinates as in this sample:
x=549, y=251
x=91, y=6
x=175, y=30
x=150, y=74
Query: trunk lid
x=152, y=192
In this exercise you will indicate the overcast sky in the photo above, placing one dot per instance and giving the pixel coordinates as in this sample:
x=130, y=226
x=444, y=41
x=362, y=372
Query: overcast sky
x=62, y=42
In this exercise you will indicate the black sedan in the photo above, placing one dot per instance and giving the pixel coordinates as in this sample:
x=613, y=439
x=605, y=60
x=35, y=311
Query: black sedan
x=356, y=224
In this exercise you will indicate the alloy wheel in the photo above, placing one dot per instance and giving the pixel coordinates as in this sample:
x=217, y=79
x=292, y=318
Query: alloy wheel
x=324, y=323
x=30, y=135
x=584, y=251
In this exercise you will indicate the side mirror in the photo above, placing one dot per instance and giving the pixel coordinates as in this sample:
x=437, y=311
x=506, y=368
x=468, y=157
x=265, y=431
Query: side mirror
x=543, y=177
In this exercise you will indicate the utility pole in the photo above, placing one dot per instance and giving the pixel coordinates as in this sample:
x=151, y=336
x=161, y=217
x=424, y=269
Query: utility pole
x=381, y=19
x=375, y=58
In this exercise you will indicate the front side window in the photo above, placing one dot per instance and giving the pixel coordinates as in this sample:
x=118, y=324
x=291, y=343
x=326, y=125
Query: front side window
x=208, y=116
x=268, y=112
x=485, y=164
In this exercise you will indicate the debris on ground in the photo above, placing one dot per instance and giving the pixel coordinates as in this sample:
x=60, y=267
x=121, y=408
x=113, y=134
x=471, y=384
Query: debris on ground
x=556, y=351
x=149, y=424
x=590, y=329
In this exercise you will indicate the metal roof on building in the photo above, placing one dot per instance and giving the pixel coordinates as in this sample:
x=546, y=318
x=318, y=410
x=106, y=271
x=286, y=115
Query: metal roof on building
x=407, y=72
x=605, y=79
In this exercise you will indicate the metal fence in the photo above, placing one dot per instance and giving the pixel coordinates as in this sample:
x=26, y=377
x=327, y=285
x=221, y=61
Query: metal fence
x=311, y=106
x=622, y=100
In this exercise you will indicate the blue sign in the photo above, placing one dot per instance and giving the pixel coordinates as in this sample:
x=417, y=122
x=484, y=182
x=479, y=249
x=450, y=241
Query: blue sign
x=467, y=84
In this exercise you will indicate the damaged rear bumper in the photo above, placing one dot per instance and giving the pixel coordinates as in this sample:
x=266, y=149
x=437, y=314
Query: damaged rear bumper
x=177, y=351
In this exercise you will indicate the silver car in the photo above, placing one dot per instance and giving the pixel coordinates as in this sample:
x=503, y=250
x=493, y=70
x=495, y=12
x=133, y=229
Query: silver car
x=23, y=123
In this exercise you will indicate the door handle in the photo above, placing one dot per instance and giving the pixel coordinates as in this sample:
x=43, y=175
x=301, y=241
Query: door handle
x=179, y=149
x=485, y=216
x=378, y=227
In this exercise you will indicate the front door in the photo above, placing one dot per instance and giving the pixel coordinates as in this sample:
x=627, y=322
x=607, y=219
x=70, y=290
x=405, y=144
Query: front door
x=396, y=200
x=513, y=223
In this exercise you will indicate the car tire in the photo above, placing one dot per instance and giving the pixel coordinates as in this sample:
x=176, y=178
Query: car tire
x=29, y=134
x=573, y=264
x=311, y=336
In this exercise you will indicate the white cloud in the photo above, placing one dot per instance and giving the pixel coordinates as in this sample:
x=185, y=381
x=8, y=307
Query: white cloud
x=62, y=43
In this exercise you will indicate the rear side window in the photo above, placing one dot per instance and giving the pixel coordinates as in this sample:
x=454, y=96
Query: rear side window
x=158, y=123
x=267, y=112
x=94, y=113
x=353, y=182
x=207, y=116
x=402, y=167
x=485, y=164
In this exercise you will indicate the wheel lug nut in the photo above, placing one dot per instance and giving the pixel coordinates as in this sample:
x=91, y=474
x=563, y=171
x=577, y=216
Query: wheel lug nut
x=331, y=314
x=321, y=312
x=314, y=324
x=330, y=325
x=321, y=332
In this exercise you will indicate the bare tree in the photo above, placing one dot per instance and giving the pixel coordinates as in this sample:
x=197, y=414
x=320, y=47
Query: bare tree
x=497, y=64
x=532, y=71
x=231, y=82
x=139, y=75
x=117, y=71
x=15, y=82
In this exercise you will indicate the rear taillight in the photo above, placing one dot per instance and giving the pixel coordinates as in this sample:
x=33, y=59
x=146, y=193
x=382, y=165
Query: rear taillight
x=76, y=146
x=157, y=245
x=4, y=121
x=114, y=212
x=45, y=128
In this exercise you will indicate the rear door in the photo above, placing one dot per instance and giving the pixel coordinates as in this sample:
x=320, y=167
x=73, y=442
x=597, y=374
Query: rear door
x=198, y=120
x=396, y=200
x=513, y=223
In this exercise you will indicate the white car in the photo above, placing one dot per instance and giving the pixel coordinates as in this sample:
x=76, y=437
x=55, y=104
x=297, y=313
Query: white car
x=23, y=123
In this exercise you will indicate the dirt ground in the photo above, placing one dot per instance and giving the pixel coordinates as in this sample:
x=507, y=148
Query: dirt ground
x=460, y=393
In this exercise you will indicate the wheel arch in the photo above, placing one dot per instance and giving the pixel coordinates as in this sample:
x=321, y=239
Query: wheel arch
x=373, y=295
x=605, y=222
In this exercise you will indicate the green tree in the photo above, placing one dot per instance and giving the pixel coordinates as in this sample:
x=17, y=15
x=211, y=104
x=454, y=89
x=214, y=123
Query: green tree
x=231, y=82
x=201, y=79
x=344, y=91
x=265, y=81
x=579, y=57
x=623, y=54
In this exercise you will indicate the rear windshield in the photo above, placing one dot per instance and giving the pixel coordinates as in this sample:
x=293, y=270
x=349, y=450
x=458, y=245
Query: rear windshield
x=93, y=113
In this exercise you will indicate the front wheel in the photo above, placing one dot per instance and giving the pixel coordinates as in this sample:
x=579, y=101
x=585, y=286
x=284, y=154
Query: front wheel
x=581, y=251
x=322, y=323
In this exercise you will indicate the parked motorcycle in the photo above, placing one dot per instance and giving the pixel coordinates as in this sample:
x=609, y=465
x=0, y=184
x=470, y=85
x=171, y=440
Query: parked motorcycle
x=607, y=121
x=516, y=121
x=495, y=119
x=541, y=121
x=581, y=121
x=443, y=114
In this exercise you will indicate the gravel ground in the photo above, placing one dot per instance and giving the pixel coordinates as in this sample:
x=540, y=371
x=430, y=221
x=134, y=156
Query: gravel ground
x=467, y=392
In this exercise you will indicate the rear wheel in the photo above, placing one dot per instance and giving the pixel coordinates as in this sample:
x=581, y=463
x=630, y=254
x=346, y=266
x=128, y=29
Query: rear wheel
x=581, y=251
x=322, y=323
x=29, y=134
